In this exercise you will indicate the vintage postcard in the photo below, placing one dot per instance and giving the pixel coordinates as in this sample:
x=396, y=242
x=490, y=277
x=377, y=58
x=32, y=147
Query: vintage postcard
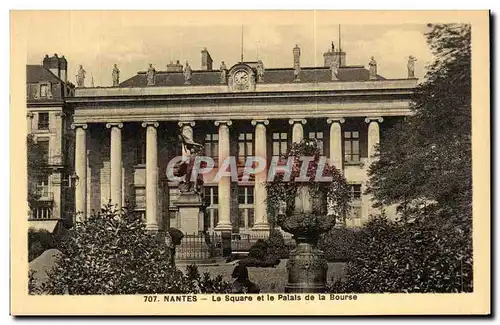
x=250, y=163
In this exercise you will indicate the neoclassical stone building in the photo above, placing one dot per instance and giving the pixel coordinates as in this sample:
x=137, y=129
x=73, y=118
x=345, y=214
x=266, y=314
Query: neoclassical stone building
x=124, y=136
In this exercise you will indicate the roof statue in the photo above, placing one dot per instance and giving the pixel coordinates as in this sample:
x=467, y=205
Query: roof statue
x=80, y=77
x=373, y=69
x=223, y=73
x=116, y=75
x=150, y=75
x=187, y=73
x=411, y=66
x=260, y=71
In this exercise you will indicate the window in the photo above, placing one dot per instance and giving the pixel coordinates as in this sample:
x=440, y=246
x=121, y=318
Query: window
x=43, y=121
x=351, y=146
x=41, y=212
x=245, y=147
x=212, y=146
x=44, y=90
x=42, y=186
x=43, y=145
x=319, y=137
x=246, y=207
x=140, y=152
x=280, y=144
x=140, y=198
x=211, y=202
x=356, y=191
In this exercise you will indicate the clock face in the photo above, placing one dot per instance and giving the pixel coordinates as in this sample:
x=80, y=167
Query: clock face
x=241, y=78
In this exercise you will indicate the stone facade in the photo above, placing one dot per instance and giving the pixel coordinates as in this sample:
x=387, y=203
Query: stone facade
x=125, y=136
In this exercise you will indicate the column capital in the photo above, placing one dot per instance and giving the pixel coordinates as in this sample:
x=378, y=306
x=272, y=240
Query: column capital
x=79, y=125
x=227, y=122
x=263, y=121
x=374, y=119
x=112, y=124
x=30, y=115
x=330, y=120
x=183, y=123
x=292, y=121
x=150, y=123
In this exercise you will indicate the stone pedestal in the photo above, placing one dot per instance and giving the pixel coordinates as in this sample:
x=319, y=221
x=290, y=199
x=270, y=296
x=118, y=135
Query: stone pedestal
x=307, y=268
x=189, y=205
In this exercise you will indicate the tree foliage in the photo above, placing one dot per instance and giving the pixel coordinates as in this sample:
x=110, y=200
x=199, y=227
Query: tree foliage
x=37, y=164
x=407, y=257
x=424, y=167
x=113, y=253
x=426, y=159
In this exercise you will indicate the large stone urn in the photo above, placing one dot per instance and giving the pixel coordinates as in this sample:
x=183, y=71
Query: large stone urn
x=307, y=267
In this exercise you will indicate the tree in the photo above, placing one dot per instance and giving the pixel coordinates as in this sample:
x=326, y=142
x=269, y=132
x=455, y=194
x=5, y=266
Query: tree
x=425, y=167
x=425, y=161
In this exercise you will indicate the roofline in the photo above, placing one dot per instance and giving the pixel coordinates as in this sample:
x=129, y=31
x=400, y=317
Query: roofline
x=41, y=66
x=267, y=69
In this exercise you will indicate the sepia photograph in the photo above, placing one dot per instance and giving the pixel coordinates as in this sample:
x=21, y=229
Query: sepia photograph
x=205, y=158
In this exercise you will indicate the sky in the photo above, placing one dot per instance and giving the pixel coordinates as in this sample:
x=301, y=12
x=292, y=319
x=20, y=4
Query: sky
x=132, y=40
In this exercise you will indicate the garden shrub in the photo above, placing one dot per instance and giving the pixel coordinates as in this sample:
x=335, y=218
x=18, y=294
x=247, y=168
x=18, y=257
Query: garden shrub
x=276, y=245
x=338, y=244
x=260, y=255
x=39, y=241
x=424, y=255
x=113, y=253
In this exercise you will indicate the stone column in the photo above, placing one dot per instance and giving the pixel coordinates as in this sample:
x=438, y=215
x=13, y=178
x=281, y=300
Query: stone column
x=187, y=130
x=29, y=120
x=225, y=182
x=297, y=129
x=151, y=176
x=373, y=141
x=373, y=135
x=116, y=163
x=336, y=158
x=261, y=222
x=81, y=171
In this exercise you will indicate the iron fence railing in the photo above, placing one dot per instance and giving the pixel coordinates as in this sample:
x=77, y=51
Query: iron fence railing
x=199, y=247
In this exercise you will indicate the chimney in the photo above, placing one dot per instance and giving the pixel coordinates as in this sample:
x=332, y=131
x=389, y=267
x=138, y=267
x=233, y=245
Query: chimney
x=174, y=67
x=206, y=60
x=56, y=65
x=331, y=55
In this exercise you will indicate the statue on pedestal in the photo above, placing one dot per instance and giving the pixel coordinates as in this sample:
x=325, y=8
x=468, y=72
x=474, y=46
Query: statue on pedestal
x=186, y=165
x=187, y=73
x=150, y=75
x=80, y=77
x=373, y=69
x=116, y=75
x=411, y=66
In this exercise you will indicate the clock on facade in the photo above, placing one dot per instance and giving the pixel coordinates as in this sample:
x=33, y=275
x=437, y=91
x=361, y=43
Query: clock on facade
x=241, y=78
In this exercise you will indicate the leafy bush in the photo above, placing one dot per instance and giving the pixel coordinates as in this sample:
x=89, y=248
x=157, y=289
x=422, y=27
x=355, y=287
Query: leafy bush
x=205, y=284
x=38, y=242
x=425, y=255
x=260, y=255
x=338, y=244
x=113, y=253
x=276, y=245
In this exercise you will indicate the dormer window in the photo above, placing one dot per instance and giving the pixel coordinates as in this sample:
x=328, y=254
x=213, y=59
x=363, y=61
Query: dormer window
x=43, y=90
